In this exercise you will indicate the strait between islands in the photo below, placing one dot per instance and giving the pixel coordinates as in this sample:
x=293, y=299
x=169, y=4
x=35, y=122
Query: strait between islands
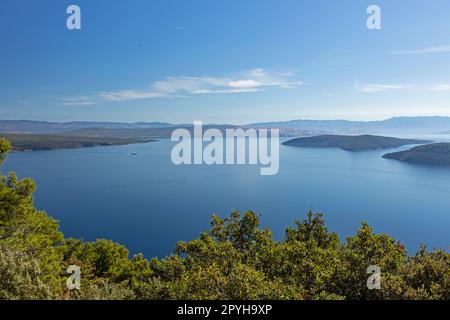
x=436, y=154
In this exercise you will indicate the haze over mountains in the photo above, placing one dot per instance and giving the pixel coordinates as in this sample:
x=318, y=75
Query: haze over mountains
x=392, y=125
x=139, y=130
x=403, y=125
x=32, y=127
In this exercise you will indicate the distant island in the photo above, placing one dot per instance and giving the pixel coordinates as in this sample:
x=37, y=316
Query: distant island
x=352, y=143
x=437, y=154
x=36, y=142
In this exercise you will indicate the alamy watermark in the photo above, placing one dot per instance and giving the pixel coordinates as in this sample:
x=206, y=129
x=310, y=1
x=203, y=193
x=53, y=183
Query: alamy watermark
x=374, y=19
x=73, y=282
x=374, y=281
x=229, y=146
x=73, y=21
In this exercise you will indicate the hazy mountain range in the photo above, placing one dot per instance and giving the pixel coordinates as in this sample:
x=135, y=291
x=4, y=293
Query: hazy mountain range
x=291, y=128
x=29, y=126
x=392, y=125
x=139, y=130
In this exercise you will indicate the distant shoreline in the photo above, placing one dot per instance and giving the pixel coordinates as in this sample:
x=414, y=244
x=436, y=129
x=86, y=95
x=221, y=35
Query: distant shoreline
x=48, y=142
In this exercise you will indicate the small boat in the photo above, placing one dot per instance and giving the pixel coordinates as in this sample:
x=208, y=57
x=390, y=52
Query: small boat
x=133, y=153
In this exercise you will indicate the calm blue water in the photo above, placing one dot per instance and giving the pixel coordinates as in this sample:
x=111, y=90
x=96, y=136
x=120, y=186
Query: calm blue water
x=147, y=203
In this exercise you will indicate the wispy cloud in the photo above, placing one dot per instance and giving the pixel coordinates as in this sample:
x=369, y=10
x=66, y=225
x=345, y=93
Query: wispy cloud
x=124, y=95
x=370, y=88
x=77, y=101
x=373, y=88
x=243, y=82
x=437, y=49
x=440, y=87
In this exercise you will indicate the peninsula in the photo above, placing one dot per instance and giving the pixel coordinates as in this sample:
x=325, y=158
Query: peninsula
x=437, y=154
x=352, y=143
x=37, y=142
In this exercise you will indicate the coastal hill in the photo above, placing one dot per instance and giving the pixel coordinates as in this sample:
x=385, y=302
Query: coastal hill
x=431, y=154
x=352, y=143
x=37, y=142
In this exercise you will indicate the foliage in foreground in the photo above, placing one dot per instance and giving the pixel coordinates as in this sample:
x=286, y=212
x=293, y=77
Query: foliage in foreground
x=235, y=259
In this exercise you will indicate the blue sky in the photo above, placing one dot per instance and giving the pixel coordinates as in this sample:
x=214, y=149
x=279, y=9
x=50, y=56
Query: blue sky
x=223, y=61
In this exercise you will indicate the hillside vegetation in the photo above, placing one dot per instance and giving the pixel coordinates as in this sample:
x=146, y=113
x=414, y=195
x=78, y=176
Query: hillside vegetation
x=235, y=259
x=37, y=142
x=436, y=154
